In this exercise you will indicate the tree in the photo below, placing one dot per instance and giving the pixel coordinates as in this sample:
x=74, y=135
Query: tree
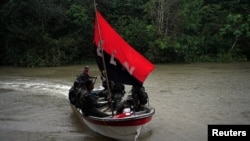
x=236, y=29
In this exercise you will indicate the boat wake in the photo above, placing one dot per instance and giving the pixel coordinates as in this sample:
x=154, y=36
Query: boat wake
x=36, y=85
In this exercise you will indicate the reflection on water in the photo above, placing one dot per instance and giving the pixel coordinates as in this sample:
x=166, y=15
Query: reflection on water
x=187, y=97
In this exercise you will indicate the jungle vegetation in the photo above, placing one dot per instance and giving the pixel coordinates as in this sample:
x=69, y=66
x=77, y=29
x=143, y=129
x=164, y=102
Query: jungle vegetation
x=37, y=33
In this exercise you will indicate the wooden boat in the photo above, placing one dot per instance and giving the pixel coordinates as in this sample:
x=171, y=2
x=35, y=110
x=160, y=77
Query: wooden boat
x=120, y=127
x=118, y=62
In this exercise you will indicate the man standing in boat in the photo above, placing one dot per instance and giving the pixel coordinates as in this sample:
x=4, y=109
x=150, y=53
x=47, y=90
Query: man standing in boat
x=140, y=96
x=84, y=75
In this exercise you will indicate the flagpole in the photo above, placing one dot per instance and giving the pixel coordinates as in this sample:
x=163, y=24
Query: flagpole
x=103, y=60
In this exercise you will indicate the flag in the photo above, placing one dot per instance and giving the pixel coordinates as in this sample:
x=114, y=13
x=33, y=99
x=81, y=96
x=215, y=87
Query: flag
x=118, y=54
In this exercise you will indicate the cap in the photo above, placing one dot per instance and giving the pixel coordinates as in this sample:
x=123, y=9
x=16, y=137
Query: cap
x=86, y=67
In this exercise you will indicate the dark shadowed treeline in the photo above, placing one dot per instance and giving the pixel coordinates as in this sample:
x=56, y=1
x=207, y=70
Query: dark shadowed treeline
x=60, y=32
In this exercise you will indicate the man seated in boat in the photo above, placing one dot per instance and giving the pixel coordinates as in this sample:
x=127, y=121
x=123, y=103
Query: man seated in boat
x=73, y=93
x=88, y=102
x=80, y=91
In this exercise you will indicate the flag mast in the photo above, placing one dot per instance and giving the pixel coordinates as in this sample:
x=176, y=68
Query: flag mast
x=103, y=59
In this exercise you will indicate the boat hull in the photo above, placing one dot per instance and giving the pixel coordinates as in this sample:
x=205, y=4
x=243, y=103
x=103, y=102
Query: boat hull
x=126, y=128
x=116, y=132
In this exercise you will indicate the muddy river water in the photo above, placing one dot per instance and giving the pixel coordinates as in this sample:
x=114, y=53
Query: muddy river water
x=187, y=98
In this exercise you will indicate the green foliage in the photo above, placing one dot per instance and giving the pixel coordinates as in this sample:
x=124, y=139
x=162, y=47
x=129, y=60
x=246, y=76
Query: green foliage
x=165, y=31
x=236, y=27
x=51, y=35
x=78, y=17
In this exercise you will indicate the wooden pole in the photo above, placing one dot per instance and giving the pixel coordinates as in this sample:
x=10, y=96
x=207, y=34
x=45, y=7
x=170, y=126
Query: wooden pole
x=103, y=60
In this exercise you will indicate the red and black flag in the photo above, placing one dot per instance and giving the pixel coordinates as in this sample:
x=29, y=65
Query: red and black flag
x=123, y=63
